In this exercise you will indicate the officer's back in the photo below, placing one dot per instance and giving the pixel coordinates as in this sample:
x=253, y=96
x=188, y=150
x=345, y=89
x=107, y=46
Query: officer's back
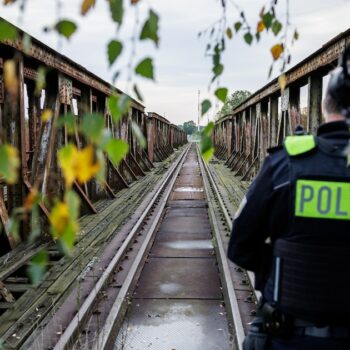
x=301, y=201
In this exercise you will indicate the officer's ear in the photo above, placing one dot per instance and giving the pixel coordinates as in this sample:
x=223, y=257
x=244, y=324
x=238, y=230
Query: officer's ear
x=339, y=85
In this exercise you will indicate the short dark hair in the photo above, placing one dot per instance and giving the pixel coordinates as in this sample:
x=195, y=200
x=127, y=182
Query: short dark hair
x=330, y=105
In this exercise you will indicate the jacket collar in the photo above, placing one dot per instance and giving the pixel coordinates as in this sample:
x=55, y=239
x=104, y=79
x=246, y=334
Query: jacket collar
x=334, y=130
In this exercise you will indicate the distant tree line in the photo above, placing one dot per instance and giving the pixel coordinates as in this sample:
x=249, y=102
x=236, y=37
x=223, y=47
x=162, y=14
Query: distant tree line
x=189, y=127
x=233, y=101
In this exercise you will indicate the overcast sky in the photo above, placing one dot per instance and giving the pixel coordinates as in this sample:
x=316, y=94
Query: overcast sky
x=181, y=67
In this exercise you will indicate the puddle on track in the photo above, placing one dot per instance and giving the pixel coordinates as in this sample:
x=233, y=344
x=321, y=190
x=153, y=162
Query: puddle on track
x=170, y=288
x=188, y=189
x=190, y=244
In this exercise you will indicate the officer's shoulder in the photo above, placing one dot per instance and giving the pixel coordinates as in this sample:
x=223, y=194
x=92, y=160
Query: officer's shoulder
x=299, y=145
x=275, y=149
x=276, y=157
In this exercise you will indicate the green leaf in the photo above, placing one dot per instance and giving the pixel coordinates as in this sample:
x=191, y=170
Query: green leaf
x=115, y=48
x=206, y=143
x=69, y=121
x=138, y=93
x=101, y=174
x=136, y=131
x=116, y=150
x=238, y=26
x=113, y=107
x=145, y=68
x=35, y=228
x=118, y=106
x=73, y=201
x=9, y=163
x=296, y=35
x=248, y=37
x=221, y=94
x=106, y=136
x=7, y=31
x=206, y=105
x=37, y=267
x=13, y=228
x=267, y=19
x=124, y=103
x=117, y=10
x=66, y=28
x=206, y=147
x=150, y=28
x=229, y=33
x=26, y=43
x=216, y=59
x=218, y=69
x=208, y=154
x=208, y=129
x=40, y=82
x=276, y=27
x=92, y=127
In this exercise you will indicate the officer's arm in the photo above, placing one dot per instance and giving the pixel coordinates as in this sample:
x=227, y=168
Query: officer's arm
x=247, y=246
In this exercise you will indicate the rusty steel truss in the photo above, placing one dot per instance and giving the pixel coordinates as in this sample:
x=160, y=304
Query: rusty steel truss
x=69, y=88
x=269, y=115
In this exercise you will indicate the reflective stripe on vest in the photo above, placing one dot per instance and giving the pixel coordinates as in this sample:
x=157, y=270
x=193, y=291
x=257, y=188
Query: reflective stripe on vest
x=296, y=145
x=322, y=199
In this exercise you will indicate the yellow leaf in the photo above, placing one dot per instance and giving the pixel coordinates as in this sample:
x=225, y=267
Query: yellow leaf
x=47, y=115
x=30, y=199
x=66, y=160
x=276, y=51
x=282, y=81
x=86, y=6
x=59, y=219
x=86, y=168
x=229, y=33
x=10, y=78
x=77, y=165
x=134, y=2
x=9, y=163
x=6, y=2
x=260, y=27
x=63, y=221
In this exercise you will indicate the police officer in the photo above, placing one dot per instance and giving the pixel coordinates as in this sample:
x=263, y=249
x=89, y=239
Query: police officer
x=293, y=231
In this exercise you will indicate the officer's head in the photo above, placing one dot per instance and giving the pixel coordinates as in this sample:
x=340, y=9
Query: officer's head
x=336, y=103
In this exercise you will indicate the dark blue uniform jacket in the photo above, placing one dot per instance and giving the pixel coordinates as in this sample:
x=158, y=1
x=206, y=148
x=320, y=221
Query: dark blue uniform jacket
x=266, y=211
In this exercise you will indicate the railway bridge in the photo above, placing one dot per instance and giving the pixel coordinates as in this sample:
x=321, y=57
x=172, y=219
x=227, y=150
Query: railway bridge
x=149, y=268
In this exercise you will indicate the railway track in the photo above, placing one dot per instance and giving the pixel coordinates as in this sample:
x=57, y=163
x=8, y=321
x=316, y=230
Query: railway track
x=168, y=285
x=62, y=331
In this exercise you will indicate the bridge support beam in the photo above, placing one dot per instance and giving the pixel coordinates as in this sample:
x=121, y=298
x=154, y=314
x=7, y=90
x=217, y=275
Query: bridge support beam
x=273, y=118
x=314, y=102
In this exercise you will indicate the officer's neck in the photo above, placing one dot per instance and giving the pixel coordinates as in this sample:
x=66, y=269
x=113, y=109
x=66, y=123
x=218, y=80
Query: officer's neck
x=334, y=118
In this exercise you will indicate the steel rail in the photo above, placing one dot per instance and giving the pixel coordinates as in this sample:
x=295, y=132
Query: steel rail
x=229, y=224
x=73, y=327
x=231, y=302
